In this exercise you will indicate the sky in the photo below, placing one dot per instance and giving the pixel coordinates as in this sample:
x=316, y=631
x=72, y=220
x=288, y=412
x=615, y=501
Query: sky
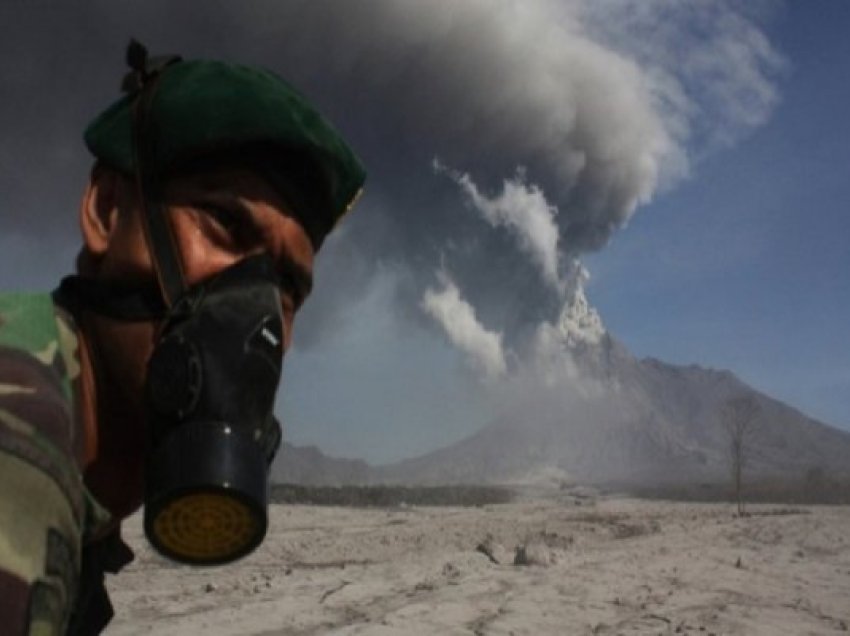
x=672, y=171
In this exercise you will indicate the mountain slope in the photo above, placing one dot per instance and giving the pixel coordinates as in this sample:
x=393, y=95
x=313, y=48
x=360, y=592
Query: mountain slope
x=648, y=422
x=309, y=466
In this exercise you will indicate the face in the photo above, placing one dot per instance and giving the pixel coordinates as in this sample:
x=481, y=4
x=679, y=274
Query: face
x=218, y=218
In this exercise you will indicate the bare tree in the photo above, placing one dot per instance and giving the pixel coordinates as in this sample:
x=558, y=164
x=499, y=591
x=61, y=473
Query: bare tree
x=739, y=419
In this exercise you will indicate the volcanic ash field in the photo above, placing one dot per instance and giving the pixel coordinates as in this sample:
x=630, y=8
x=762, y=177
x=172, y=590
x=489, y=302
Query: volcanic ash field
x=577, y=566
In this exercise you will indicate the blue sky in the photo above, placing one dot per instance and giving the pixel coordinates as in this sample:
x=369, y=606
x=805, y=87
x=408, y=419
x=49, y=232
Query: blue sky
x=741, y=265
x=745, y=265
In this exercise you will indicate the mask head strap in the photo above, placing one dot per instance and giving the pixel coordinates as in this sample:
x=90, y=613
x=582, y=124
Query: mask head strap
x=141, y=83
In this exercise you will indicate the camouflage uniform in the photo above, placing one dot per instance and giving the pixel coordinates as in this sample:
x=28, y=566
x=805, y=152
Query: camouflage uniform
x=46, y=513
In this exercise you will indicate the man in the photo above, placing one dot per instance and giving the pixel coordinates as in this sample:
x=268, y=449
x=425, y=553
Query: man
x=151, y=374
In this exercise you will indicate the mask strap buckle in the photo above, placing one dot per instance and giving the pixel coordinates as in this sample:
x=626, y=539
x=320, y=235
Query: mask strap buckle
x=143, y=68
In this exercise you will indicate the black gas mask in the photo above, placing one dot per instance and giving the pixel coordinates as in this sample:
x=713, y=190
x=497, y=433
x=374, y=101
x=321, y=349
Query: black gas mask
x=208, y=399
x=210, y=389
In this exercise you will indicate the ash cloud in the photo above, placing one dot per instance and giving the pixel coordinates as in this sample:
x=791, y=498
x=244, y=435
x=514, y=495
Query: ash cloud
x=600, y=103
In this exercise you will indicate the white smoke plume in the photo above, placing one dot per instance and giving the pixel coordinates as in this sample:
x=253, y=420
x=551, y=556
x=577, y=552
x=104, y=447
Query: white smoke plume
x=457, y=317
x=524, y=210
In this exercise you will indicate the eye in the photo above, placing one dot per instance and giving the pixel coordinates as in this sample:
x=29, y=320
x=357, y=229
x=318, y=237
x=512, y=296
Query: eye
x=234, y=223
x=227, y=219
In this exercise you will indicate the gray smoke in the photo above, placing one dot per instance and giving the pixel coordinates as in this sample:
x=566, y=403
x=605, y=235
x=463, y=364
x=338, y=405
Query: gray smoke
x=553, y=121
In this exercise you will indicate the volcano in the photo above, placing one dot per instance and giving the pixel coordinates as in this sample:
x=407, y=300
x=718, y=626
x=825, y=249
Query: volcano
x=639, y=421
x=611, y=418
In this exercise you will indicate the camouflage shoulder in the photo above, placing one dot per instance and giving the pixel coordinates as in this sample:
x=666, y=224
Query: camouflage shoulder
x=32, y=324
x=42, y=507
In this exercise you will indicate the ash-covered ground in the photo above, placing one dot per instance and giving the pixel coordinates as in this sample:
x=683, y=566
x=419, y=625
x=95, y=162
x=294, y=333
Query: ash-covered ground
x=575, y=565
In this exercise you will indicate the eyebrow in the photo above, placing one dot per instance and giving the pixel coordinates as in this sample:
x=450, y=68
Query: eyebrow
x=223, y=197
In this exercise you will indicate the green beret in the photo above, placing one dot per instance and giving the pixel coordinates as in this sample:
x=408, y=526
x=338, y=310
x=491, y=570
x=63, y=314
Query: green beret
x=248, y=116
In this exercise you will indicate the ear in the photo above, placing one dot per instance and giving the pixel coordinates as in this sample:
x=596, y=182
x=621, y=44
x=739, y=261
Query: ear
x=99, y=211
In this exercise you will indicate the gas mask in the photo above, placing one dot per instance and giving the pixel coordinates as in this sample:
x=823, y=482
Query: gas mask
x=209, y=396
x=208, y=401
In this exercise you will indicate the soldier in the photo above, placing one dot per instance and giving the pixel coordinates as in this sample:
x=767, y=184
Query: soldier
x=150, y=375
